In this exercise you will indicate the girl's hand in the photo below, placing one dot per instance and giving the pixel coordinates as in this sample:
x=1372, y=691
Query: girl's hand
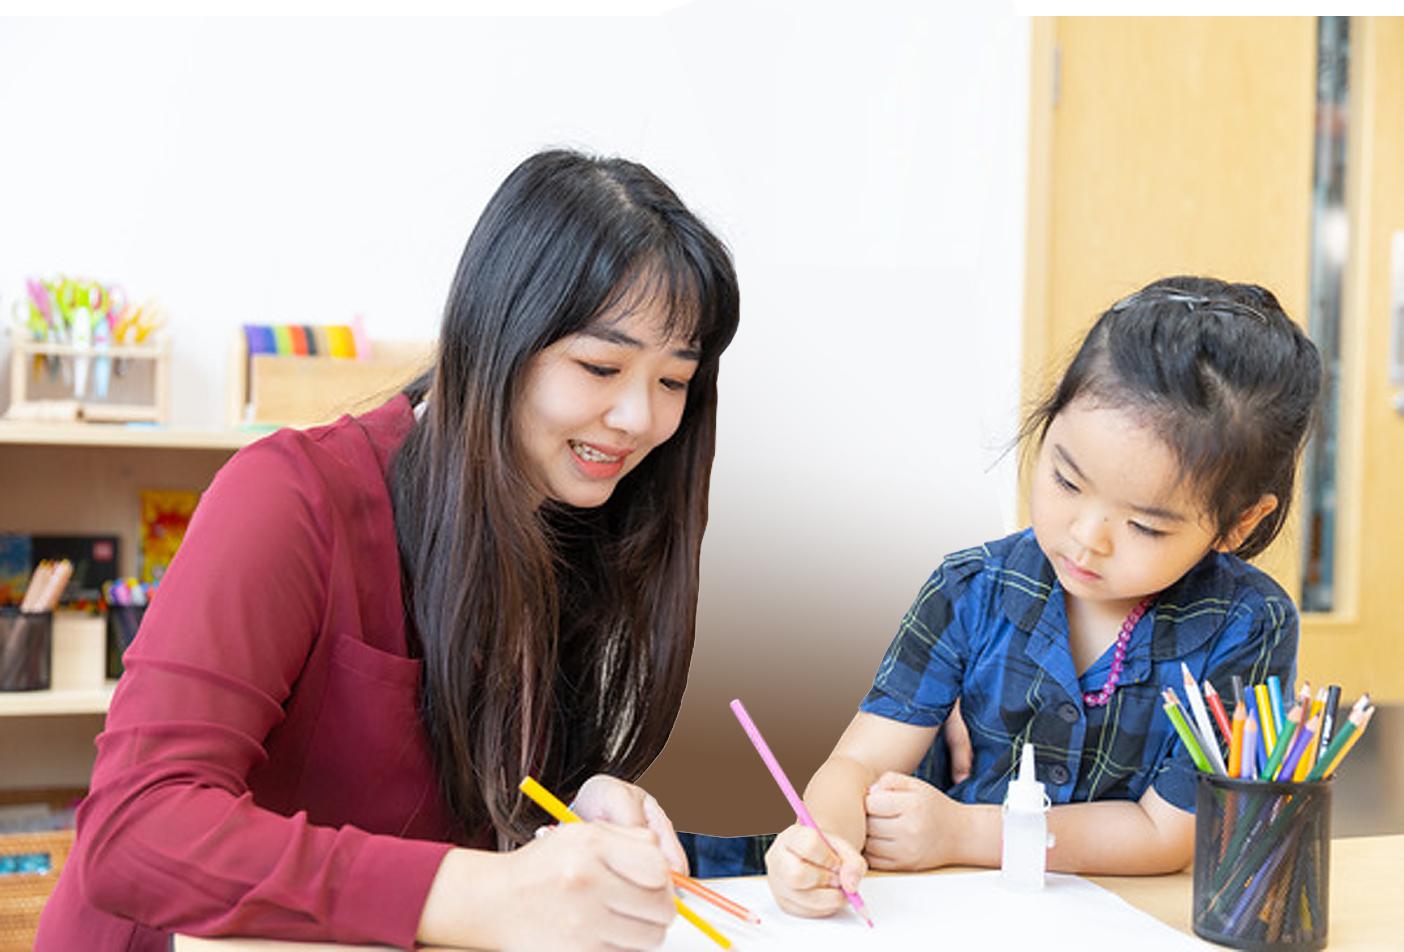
x=804, y=874
x=624, y=804
x=587, y=886
x=911, y=824
x=958, y=746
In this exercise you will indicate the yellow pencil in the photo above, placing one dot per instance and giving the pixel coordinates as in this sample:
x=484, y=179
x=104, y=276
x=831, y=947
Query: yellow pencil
x=1267, y=720
x=1309, y=755
x=549, y=802
x=1349, y=742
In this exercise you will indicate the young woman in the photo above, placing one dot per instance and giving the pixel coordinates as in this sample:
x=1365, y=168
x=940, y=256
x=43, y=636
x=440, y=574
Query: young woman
x=376, y=628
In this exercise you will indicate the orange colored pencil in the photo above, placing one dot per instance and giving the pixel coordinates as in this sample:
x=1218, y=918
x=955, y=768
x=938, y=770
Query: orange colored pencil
x=1240, y=718
x=715, y=898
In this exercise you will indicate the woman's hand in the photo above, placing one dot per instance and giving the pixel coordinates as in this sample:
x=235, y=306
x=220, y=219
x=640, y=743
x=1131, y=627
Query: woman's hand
x=586, y=886
x=911, y=824
x=624, y=804
x=805, y=875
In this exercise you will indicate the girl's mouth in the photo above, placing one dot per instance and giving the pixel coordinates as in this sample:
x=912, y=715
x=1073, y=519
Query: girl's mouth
x=1077, y=571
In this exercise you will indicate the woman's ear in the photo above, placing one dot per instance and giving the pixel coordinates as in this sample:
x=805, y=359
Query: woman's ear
x=1246, y=523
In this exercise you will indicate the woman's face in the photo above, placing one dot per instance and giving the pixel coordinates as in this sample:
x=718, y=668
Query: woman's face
x=596, y=402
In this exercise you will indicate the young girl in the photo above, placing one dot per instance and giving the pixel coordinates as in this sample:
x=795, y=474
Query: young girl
x=375, y=629
x=1164, y=459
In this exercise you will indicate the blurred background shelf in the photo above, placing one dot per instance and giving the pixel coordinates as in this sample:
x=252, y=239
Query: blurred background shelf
x=57, y=701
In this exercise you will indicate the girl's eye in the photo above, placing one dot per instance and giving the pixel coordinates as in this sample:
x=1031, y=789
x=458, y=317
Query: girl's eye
x=1063, y=482
x=674, y=385
x=1147, y=530
x=597, y=370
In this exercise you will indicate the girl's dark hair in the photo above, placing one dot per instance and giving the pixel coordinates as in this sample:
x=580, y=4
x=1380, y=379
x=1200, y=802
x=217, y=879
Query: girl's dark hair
x=555, y=641
x=1221, y=374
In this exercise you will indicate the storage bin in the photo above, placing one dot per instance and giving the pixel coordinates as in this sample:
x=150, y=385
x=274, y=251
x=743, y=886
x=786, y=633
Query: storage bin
x=30, y=864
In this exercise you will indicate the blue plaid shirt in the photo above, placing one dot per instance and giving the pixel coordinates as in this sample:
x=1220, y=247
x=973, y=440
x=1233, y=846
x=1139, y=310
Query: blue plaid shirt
x=989, y=627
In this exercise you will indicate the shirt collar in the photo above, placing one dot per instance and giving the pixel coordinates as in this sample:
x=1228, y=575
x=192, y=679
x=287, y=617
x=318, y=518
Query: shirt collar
x=1185, y=615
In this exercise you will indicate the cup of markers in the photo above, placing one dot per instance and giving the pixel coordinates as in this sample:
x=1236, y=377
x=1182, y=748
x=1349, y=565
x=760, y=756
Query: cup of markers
x=1262, y=851
x=126, y=600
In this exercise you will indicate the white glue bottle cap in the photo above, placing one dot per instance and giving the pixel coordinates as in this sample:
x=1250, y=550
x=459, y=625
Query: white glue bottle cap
x=1026, y=793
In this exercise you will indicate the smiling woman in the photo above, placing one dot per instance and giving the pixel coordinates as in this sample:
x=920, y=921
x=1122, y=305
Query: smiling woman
x=375, y=629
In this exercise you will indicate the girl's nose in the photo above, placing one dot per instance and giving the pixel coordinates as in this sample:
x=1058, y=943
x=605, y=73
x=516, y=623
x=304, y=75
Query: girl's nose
x=1091, y=531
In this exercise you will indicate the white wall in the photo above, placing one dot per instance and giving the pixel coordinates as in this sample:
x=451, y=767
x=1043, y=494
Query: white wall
x=866, y=168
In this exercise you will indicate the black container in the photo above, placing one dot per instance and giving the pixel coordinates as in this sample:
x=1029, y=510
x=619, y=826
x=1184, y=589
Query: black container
x=26, y=649
x=1262, y=863
x=122, y=624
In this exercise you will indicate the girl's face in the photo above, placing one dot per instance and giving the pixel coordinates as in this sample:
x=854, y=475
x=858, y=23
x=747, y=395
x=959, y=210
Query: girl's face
x=596, y=402
x=1110, y=510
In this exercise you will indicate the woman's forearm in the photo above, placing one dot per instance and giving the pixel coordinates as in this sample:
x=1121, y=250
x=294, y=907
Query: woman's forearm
x=464, y=901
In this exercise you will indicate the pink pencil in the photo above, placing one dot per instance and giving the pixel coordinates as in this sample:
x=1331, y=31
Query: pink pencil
x=801, y=811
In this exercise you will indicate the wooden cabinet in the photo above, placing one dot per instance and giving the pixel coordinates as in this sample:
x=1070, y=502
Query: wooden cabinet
x=84, y=479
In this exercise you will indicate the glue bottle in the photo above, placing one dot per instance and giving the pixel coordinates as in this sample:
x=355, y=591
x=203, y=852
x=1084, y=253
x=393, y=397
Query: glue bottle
x=1025, y=852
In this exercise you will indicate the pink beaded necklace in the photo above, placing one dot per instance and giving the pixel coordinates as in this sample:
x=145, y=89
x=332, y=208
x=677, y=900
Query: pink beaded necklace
x=1098, y=698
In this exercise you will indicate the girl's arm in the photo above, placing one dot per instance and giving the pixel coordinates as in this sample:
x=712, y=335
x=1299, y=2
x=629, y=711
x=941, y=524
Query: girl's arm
x=870, y=747
x=912, y=825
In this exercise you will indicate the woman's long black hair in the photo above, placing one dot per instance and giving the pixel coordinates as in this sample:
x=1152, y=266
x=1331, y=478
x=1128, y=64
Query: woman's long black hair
x=555, y=641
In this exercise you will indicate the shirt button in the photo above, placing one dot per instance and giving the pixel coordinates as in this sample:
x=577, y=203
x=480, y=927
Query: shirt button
x=1058, y=774
x=1068, y=712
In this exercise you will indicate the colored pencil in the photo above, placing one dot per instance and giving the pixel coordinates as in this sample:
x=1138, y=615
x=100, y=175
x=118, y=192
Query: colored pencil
x=1308, y=759
x=1216, y=708
x=1267, y=728
x=1240, y=721
x=549, y=802
x=1247, y=767
x=1279, y=712
x=1284, y=743
x=1177, y=717
x=1330, y=758
x=1328, y=719
x=1365, y=716
x=1300, y=741
x=1208, y=744
x=801, y=811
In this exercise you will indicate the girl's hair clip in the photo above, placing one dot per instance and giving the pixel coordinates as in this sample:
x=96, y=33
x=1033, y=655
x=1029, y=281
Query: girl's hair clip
x=1174, y=296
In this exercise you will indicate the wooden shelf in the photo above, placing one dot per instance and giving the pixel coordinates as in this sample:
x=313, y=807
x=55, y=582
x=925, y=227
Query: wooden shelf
x=140, y=436
x=57, y=701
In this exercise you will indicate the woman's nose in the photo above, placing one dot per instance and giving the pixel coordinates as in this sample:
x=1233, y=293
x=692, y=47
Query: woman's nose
x=631, y=410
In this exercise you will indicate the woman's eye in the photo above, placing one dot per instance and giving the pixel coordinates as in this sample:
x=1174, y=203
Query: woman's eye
x=597, y=370
x=1063, y=482
x=670, y=383
x=1147, y=530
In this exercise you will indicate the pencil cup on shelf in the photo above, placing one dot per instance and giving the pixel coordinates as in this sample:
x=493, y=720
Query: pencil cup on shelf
x=122, y=624
x=1262, y=862
x=26, y=649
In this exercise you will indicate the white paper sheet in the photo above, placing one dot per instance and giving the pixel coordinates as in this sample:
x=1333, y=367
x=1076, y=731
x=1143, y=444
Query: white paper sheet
x=954, y=911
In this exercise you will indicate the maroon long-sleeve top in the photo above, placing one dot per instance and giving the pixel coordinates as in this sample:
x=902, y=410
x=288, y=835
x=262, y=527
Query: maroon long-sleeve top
x=264, y=770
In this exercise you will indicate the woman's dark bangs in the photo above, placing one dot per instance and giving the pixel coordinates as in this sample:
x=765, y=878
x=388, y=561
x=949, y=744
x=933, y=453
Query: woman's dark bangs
x=690, y=313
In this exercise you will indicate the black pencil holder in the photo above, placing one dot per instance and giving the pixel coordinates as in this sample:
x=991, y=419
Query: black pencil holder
x=122, y=624
x=26, y=649
x=1262, y=863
